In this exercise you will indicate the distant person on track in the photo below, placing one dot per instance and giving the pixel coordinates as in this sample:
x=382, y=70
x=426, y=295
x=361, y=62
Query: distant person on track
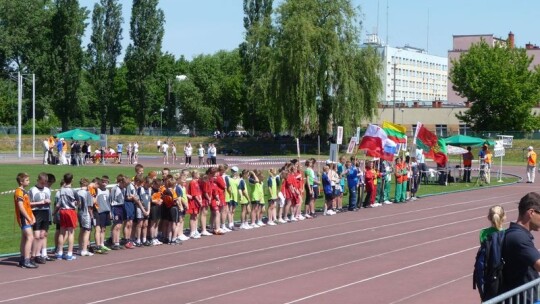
x=531, y=165
x=522, y=259
x=188, y=151
x=200, y=153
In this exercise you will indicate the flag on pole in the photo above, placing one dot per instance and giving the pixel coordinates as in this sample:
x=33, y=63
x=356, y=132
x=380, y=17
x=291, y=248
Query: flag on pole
x=433, y=147
x=377, y=143
x=395, y=132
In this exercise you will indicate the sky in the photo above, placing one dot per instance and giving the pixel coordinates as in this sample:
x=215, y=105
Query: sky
x=194, y=27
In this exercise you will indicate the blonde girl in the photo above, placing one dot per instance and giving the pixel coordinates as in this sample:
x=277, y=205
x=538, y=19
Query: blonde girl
x=496, y=217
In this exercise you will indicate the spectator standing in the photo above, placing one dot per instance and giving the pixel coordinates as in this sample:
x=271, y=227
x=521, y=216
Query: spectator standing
x=119, y=149
x=46, y=151
x=531, y=165
x=212, y=153
x=522, y=259
x=188, y=151
x=467, y=164
x=200, y=153
x=165, y=151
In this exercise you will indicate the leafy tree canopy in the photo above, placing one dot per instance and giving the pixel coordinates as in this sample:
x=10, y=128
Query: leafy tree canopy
x=500, y=85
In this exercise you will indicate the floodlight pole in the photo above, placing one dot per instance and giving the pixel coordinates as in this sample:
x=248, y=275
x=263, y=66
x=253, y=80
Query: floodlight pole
x=19, y=113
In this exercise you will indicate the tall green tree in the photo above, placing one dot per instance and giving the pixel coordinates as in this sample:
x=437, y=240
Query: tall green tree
x=500, y=85
x=66, y=59
x=318, y=83
x=103, y=52
x=142, y=55
x=256, y=53
x=25, y=29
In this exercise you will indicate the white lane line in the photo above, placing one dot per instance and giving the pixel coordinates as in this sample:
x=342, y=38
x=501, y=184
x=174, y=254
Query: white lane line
x=262, y=237
x=329, y=267
x=381, y=275
x=221, y=258
x=232, y=255
x=432, y=288
x=292, y=258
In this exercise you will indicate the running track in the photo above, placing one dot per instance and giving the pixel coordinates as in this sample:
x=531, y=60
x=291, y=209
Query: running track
x=419, y=252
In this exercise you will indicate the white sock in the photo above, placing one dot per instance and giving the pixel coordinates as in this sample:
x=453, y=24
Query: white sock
x=44, y=252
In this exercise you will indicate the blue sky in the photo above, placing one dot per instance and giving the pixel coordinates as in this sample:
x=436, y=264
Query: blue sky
x=205, y=26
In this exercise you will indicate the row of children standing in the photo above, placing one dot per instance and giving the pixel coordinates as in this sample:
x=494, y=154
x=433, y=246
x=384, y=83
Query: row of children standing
x=148, y=210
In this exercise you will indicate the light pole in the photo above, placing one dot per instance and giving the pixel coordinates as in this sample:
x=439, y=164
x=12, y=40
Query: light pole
x=178, y=78
x=394, y=103
x=20, y=81
x=161, y=121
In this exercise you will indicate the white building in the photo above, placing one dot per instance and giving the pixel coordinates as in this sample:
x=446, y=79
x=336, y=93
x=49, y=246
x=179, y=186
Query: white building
x=419, y=77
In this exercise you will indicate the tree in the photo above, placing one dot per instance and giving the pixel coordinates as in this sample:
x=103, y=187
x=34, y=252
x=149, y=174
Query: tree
x=256, y=54
x=66, y=59
x=322, y=77
x=103, y=51
x=25, y=46
x=142, y=55
x=499, y=84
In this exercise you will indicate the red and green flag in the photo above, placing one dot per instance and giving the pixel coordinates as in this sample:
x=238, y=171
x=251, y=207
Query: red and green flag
x=397, y=133
x=433, y=147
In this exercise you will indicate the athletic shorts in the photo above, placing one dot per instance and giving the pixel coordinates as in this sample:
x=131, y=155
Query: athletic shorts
x=139, y=214
x=155, y=213
x=174, y=214
x=42, y=219
x=103, y=219
x=205, y=203
x=328, y=197
x=85, y=222
x=129, y=209
x=193, y=208
x=214, y=206
x=255, y=202
x=164, y=212
x=68, y=218
x=232, y=204
x=295, y=200
x=118, y=214
x=273, y=201
x=315, y=191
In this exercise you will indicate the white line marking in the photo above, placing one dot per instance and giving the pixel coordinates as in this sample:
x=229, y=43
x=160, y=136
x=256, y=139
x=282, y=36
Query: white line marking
x=381, y=275
x=432, y=288
x=329, y=267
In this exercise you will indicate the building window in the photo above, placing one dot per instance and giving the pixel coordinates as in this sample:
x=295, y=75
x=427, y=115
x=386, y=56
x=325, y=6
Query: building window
x=441, y=130
x=463, y=129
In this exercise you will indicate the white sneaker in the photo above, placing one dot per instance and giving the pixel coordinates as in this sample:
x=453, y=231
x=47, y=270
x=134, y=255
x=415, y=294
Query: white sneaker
x=308, y=216
x=387, y=202
x=231, y=227
x=206, y=233
x=300, y=217
x=260, y=223
x=330, y=212
x=293, y=219
x=182, y=237
x=225, y=229
x=282, y=221
x=195, y=235
x=254, y=225
x=271, y=223
x=247, y=226
x=414, y=198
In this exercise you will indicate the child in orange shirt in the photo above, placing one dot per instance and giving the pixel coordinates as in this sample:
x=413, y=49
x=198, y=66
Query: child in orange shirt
x=25, y=218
